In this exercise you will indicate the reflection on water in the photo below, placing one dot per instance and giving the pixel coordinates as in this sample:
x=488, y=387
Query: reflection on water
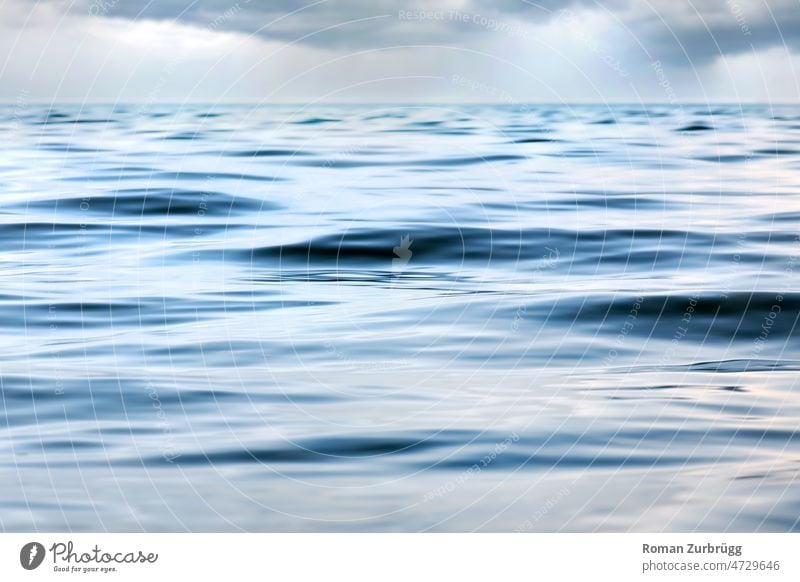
x=400, y=318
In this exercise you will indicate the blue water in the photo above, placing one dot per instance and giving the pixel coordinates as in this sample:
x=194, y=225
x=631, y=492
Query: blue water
x=386, y=318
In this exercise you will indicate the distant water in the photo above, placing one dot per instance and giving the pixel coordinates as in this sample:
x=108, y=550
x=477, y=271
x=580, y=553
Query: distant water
x=400, y=318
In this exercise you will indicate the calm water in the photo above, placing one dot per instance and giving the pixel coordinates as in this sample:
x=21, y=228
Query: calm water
x=400, y=318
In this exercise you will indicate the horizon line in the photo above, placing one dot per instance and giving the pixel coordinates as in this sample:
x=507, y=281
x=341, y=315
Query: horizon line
x=402, y=104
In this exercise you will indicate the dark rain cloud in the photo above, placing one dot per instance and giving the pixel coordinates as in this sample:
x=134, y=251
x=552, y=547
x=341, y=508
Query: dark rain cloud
x=677, y=31
x=706, y=30
x=332, y=21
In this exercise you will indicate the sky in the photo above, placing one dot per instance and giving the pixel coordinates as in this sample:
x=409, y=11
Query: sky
x=389, y=51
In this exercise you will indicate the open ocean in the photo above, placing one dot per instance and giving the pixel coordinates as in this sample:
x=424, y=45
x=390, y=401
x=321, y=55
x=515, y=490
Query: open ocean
x=399, y=318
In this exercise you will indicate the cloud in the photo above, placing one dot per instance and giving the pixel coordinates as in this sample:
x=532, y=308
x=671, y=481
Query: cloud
x=684, y=31
x=245, y=50
x=349, y=24
x=321, y=23
x=699, y=32
x=696, y=31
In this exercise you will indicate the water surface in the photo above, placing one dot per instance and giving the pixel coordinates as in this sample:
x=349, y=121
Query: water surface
x=340, y=318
